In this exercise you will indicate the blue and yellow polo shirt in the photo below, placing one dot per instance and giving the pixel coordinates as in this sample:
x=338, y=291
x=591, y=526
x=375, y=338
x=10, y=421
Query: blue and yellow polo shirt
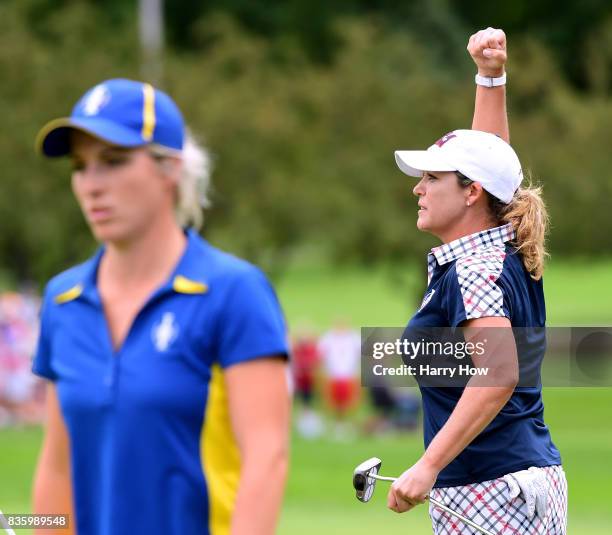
x=152, y=449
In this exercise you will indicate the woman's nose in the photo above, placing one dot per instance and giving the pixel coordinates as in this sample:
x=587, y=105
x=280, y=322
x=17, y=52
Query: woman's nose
x=418, y=189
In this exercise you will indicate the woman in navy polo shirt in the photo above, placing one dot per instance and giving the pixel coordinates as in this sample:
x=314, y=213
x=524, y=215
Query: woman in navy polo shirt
x=488, y=454
x=168, y=402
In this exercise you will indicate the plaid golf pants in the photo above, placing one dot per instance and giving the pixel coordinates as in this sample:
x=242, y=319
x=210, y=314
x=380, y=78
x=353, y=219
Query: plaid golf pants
x=488, y=504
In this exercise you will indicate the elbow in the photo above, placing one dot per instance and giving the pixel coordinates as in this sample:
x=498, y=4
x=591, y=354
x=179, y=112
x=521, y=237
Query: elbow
x=269, y=457
x=504, y=388
x=508, y=381
x=281, y=465
x=494, y=399
x=498, y=387
x=267, y=468
x=498, y=380
x=278, y=461
x=505, y=376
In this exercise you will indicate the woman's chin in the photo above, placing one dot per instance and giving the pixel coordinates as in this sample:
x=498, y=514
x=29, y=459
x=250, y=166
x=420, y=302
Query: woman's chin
x=107, y=233
x=422, y=224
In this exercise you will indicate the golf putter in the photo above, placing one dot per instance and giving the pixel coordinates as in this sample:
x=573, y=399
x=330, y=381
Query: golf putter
x=364, y=481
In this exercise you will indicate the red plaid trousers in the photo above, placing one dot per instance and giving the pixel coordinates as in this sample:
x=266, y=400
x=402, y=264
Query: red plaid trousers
x=488, y=504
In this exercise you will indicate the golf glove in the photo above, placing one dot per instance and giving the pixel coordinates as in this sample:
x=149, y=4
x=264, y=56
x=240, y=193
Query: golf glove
x=534, y=488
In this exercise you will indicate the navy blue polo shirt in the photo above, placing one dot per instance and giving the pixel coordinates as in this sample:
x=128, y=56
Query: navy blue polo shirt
x=138, y=417
x=482, y=275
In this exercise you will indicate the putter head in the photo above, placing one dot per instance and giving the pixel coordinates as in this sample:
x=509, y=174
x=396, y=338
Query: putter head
x=362, y=482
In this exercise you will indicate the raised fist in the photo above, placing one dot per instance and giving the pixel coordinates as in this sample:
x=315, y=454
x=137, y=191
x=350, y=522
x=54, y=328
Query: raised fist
x=488, y=50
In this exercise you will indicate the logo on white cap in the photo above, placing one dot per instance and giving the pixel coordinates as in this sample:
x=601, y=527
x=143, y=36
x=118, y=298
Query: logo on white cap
x=445, y=138
x=96, y=100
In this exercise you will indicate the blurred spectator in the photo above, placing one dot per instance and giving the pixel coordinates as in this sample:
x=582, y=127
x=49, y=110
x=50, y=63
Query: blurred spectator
x=394, y=409
x=408, y=407
x=340, y=350
x=305, y=364
x=383, y=408
x=20, y=396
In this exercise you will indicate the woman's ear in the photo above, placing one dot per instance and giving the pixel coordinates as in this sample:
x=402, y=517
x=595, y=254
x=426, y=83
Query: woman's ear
x=475, y=192
x=171, y=168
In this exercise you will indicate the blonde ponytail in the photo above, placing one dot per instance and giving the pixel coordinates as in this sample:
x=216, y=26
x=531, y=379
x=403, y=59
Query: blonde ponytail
x=529, y=217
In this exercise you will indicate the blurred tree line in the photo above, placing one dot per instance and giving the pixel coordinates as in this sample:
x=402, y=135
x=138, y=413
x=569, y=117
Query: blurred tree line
x=301, y=104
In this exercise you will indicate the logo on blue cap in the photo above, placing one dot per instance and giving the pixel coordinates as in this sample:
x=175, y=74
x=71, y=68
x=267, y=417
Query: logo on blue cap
x=95, y=99
x=120, y=112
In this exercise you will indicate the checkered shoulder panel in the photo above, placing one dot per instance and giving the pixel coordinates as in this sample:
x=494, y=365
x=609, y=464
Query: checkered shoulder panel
x=476, y=275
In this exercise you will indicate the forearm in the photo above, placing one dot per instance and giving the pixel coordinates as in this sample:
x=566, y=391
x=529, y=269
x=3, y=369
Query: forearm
x=476, y=408
x=490, y=114
x=259, y=406
x=53, y=495
x=488, y=50
x=260, y=492
x=52, y=489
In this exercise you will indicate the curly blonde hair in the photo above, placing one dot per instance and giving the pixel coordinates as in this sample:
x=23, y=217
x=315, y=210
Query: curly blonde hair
x=528, y=215
x=194, y=182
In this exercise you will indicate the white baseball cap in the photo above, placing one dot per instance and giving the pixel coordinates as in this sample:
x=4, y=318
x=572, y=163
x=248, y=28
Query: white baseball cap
x=480, y=156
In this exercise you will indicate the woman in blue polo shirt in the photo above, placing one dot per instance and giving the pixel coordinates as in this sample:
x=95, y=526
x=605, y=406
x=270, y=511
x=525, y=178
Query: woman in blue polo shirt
x=489, y=454
x=167, y=403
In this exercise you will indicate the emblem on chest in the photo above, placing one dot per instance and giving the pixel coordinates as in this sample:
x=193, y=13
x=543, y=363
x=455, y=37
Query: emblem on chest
x=164, y=332
x=427, y=299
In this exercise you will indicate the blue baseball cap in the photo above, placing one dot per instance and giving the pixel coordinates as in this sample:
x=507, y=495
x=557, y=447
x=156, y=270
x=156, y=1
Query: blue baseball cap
x=120, y=112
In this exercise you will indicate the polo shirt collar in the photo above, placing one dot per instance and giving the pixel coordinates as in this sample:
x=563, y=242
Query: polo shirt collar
x=186, y=277
x=466, y=245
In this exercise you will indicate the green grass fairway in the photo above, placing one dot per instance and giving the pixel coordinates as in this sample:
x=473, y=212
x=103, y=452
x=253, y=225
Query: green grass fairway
x=319, y=497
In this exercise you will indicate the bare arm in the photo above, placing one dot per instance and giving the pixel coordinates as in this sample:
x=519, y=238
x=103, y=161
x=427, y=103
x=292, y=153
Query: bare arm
x=259, y=405
x=488, y=50
x=480, y=402
x=52, y=483
x=484, y=398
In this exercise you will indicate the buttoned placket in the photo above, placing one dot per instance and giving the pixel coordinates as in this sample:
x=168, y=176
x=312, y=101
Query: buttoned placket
x=114, y=356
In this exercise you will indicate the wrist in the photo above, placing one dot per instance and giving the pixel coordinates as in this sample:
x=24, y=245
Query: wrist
x=430, y=462
x=491, y=73
x=490, y=82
